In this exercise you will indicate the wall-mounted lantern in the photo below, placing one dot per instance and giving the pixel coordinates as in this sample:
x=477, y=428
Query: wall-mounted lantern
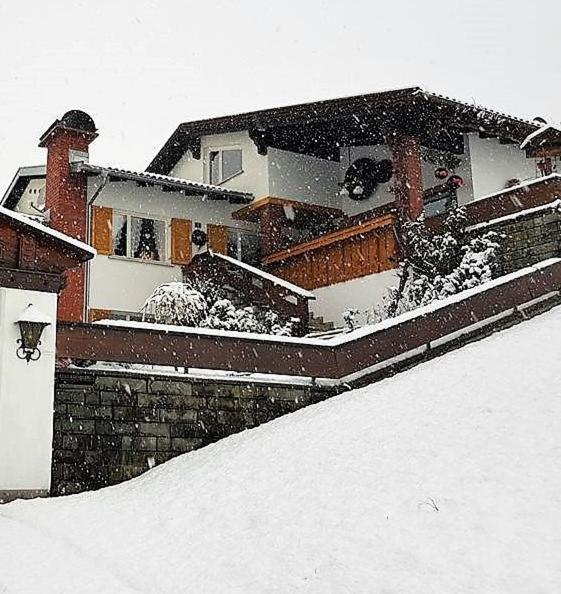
x=31, y=324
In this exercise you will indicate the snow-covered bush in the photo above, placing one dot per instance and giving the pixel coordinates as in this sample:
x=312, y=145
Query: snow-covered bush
x=176, y=303
x=182, y=305
x=223, y=315
x=437, y=265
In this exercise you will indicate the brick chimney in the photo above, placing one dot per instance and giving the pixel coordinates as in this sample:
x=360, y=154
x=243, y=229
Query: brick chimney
x=67, y=141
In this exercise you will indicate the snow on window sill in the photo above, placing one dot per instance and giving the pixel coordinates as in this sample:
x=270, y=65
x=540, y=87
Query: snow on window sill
x=141, y=261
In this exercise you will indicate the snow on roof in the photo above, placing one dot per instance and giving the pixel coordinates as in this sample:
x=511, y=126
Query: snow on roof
x=23, y=219
x=270, y=277
x=539, y=132
x=166, y=180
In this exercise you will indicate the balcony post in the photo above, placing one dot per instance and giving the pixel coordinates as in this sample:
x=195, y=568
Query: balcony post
x=271, y=222
x=408, y=180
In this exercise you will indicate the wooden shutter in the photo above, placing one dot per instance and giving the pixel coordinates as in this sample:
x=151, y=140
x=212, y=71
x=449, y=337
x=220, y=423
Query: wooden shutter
x=102, y=230
x=218, y=238
x=181, y=241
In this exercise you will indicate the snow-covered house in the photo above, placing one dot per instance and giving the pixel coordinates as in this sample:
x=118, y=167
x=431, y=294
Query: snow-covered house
x=311, y=193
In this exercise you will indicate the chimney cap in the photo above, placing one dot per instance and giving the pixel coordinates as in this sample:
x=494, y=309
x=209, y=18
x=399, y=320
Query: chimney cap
x=74, y=119
x=78, y=120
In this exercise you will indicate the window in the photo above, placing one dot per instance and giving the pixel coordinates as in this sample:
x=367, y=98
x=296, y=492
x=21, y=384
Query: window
x=139, y=237
x=244, y=245
x=439, y=200
x=224, y=165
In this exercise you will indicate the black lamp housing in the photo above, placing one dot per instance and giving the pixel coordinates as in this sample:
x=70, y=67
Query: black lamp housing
x=31, y=325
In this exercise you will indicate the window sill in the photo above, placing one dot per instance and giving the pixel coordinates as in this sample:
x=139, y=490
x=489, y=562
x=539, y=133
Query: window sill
x=139, y=261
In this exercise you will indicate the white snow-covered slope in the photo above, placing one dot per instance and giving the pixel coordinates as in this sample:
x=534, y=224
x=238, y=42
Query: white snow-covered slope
x=444, y=479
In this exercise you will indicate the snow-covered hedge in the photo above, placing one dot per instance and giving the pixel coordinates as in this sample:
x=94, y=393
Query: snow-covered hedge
x=204, y=306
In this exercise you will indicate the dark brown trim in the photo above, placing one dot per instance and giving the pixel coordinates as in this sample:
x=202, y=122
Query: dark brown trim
x=31, y=280
x=305, y=358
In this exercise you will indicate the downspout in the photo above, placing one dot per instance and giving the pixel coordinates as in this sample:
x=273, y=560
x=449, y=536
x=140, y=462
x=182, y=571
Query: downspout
x=104, y=179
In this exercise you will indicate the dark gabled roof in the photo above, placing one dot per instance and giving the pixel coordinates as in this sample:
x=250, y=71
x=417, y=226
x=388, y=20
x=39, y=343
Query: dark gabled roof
x=376, y=113
x=19, y=182
x=548, y=136
x=172, y=183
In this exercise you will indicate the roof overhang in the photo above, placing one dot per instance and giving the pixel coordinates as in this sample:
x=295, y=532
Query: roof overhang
x=544, y=141
x=79, y=249
x=170, y=184
x=321, y=128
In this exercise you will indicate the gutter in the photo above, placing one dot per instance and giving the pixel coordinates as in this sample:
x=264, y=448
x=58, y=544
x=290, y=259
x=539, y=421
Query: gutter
x=104, y=179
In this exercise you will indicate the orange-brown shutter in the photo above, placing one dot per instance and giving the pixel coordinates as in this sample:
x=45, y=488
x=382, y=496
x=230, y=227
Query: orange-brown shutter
x=218, y=238
x=102, y=233
x=180, y=241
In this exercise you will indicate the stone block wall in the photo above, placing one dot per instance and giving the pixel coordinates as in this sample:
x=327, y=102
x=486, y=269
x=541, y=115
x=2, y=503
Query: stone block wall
x=113, y=427
x=529, y=238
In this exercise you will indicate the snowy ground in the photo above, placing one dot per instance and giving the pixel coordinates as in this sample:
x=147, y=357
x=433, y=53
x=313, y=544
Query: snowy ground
x=445, y=479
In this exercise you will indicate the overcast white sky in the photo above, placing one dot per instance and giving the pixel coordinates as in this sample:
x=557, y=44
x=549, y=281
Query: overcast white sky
x=140, y=67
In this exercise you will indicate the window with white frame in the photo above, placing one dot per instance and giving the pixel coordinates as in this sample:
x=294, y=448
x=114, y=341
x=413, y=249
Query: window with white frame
x=140, y=238
x=224, y=164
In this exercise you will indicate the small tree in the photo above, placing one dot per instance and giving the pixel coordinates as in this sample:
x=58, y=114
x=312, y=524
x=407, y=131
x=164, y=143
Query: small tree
x=182, y=305
x=437, y=265
x=177, y=304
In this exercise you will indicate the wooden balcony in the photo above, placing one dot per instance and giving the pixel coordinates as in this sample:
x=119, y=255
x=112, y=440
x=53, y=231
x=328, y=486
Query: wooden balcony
x=345, y=254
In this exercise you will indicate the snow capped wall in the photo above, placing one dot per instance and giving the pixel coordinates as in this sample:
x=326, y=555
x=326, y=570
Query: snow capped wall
x=26, y=396
x=494, y=164
x=360, y=293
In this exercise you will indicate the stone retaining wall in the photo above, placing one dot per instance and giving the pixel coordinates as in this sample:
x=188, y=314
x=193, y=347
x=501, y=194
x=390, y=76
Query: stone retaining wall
x=112, y=427
x=529, y=238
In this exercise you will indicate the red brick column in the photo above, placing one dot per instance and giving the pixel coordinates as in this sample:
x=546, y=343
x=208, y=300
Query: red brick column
x=408, y=184
x=66, y=201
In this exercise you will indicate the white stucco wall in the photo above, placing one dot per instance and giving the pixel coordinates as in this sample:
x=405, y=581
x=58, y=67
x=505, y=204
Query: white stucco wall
x=303, y=177
x=254, y=178
x=360, y=293
x=33, y=194
x=493, y=164
x=26, y=396
x=123, y=284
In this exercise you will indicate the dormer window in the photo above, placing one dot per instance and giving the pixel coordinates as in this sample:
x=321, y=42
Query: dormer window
x=224, y=164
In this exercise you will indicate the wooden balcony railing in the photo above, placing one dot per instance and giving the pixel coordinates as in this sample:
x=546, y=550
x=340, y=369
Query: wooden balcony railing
x=338, y=256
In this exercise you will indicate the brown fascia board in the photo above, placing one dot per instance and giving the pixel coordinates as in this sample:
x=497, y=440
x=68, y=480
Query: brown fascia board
x=499, y=124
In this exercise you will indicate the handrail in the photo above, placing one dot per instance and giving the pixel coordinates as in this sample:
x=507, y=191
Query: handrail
x=336, y=358
x=329, y=238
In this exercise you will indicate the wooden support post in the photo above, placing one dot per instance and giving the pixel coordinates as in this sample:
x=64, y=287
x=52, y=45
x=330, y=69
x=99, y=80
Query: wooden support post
x=272, y=220
x=408, y=175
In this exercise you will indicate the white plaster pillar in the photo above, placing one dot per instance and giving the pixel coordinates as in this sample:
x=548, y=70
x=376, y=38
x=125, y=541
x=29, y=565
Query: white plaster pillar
x=26, y=399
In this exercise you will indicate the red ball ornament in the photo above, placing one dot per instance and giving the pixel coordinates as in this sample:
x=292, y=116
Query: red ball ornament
x=441, y=173
x=456, y=180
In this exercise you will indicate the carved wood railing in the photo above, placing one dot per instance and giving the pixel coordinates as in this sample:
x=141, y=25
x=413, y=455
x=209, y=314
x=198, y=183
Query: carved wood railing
x=341, y=255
